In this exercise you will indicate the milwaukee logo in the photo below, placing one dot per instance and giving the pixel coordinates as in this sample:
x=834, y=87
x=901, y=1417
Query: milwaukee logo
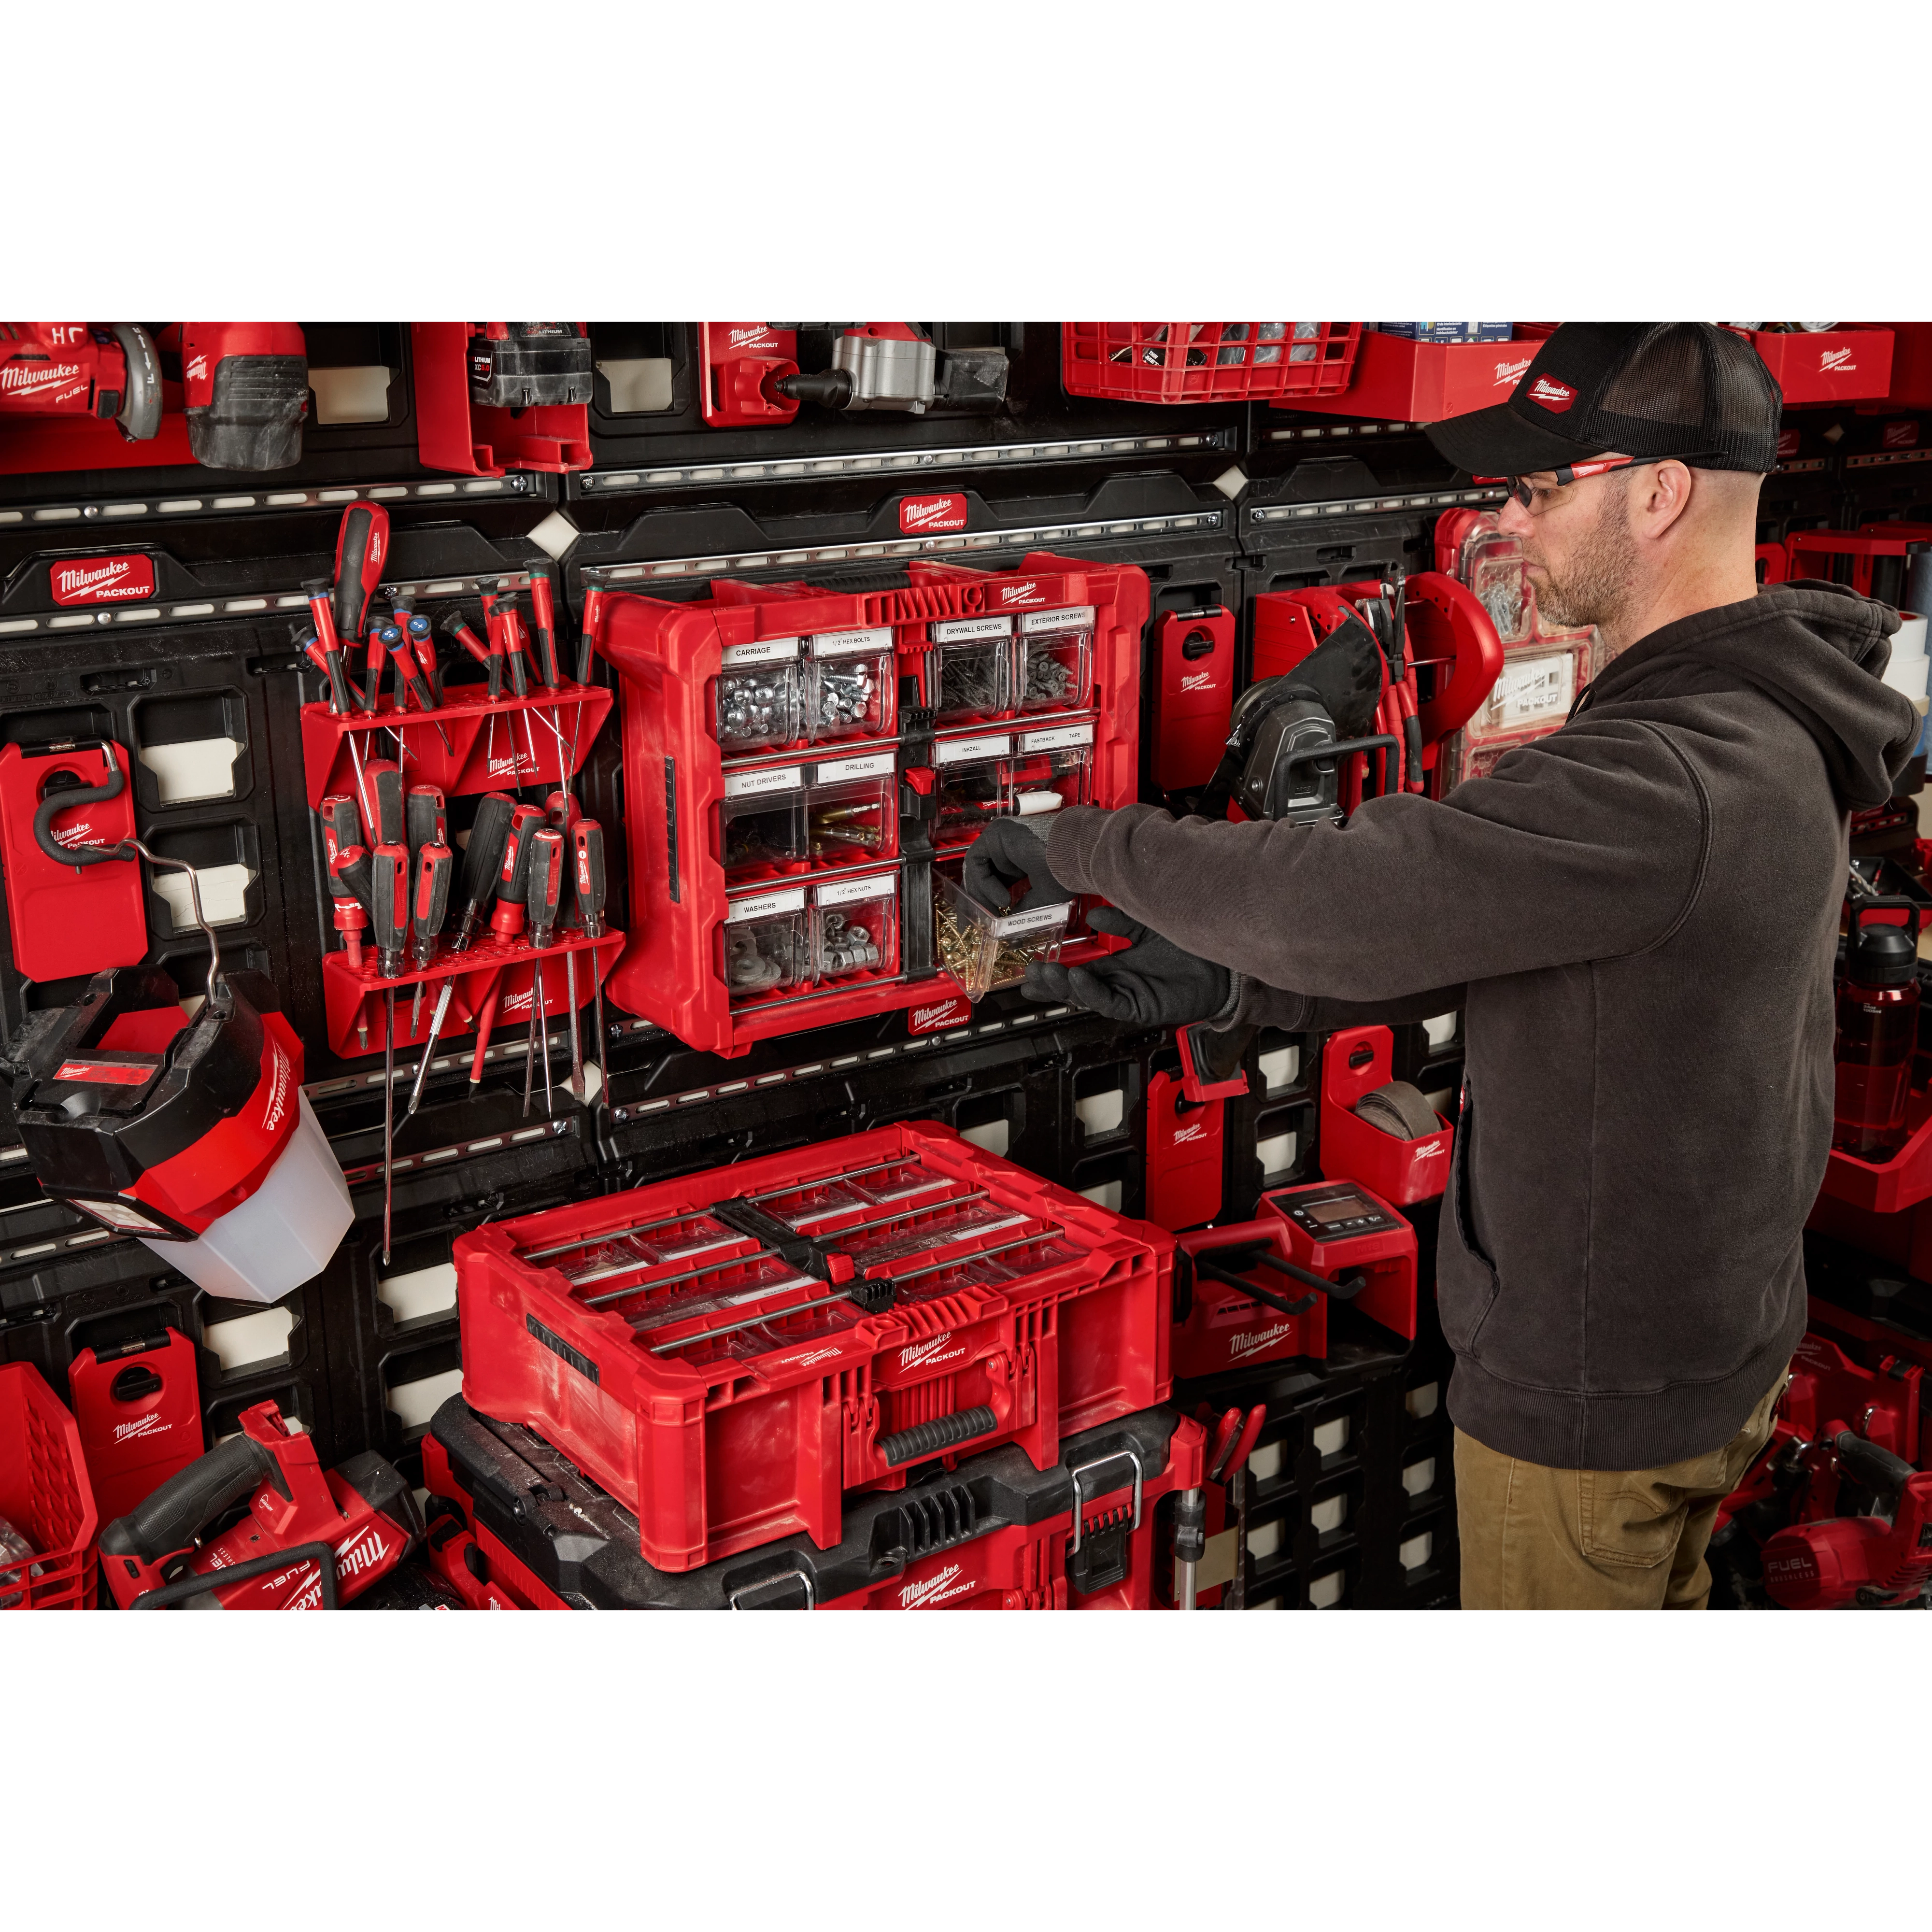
x=34, y=379
x=362, y=1552
x=196, y=371
x=1021, y=593
x=1507, y=373
x=922, y=1596
x=509, y=768
x=948, y=1013
x=519, y=1002
x=81, y=834
x=1427, y=1148
x=102, y=580
x=927, y=1351
x=146, y=1425
x=1196, y=1131
x=278, y=1091
x=1197, y=680
x=1837, y=360
x=918, y=515
x=758, y=338
x=1241, y=1346
x=1554, y=396
x=818, y=1355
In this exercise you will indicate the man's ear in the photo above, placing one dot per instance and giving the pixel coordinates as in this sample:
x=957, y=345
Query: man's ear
x=1660, y=500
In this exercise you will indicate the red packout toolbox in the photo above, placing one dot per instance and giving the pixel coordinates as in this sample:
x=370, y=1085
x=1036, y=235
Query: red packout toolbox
x=516, y=1526
x=780, y=808
x=730, y=1352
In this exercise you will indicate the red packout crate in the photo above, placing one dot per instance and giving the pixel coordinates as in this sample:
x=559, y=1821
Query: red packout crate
x=756, y=661
x=45, y=1496
x=515, y=1526
x=729, y=1353
x=1207, y=361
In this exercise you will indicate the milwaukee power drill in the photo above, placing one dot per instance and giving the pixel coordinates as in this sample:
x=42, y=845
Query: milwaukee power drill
x=108, y=370
x=311, y=1539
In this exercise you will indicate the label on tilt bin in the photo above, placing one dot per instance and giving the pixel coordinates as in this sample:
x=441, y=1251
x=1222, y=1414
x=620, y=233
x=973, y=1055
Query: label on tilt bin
x=103, y=580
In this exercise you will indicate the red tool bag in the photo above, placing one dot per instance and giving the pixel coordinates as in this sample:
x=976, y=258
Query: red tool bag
x=730, y=1352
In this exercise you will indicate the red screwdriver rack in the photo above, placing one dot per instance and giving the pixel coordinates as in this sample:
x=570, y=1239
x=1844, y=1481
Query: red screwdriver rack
x=539, y=739
x=351, y=993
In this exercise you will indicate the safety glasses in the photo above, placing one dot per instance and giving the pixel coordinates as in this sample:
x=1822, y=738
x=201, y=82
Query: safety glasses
x=1523, y=490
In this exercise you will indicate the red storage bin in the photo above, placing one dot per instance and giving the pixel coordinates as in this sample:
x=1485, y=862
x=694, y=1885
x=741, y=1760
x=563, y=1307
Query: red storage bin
x=752, y=662
x=45, y=1495
x=1207, y=361
x=730, y=1386
x=1356, y=1061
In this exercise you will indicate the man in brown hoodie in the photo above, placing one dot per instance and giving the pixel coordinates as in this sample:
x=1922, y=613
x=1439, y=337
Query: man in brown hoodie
x=1638, y=915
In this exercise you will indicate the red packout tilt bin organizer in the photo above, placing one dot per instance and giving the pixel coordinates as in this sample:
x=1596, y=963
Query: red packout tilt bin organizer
x=728, y=1353
x=864, y=787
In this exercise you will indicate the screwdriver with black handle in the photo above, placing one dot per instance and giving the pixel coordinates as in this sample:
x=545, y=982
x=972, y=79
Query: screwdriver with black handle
x=482, y=860
x=506, y=919
x=428, y=823
x=587, y=841
x=543, y=628
x=422, y=641
x=390, y=916
x=351, y=885
x=500, y=617
x=586, y=646
x=543, y=898
x=361, y=549
x=429, y=902
x=409, y=679
x=384, y=819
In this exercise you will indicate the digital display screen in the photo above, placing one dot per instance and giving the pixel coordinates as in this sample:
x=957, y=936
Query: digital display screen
x=1343, y=1207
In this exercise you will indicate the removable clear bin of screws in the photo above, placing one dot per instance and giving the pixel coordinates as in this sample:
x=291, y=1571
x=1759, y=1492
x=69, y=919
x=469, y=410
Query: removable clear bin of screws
x=852, y=809
x=764, y=945
x=850, y=685
x=757, y=696
x=985, y=950
x=969, y=668
x=1056, y=650
x=762, y=825
x=855, y=928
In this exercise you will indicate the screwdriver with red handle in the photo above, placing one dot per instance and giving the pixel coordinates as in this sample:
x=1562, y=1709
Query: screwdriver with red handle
x=586, y=646
x=586, y=842
x=485, y=654
x=429, y=902
x=428, y=823
x=543, y=628
x=361, y=549
x=409, y=679
x=350, y=886
x=506, y=919
x=390, y=913
x=384, y=819
x=422, y=641
x=543, y=898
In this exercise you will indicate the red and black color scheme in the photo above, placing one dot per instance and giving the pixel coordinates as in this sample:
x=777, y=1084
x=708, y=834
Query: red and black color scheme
x=45, y=1498
x=110, y=371
x=1879, y=1559
x=311, y=1539
x=1193, y=691
x=244, y=389
x=730, y=1353
x=70, y=909
x=139, y=1409
x=513, y=1525
x=521, y=365
x=155, y=1124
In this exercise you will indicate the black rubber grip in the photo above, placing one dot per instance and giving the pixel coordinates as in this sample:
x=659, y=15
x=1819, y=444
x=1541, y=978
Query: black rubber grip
x=352, y=548
x=1190, y=1526
x=203, y=1581
x=926, y=1438
x=483, y=857
x=55, y=802
x=1879, y=1470
x=187, y=1503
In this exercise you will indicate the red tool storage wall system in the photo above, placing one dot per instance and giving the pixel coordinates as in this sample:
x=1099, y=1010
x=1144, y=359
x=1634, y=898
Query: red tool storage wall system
x=572, y=733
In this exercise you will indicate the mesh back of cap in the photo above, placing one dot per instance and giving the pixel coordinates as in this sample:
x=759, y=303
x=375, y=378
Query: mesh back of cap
x=1688, y=390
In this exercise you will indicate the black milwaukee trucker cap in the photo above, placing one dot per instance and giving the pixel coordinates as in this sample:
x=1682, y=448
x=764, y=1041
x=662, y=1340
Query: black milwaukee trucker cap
x=1647, y=389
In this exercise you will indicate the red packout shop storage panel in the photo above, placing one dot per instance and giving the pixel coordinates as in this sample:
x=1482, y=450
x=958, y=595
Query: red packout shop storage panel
x=780, y=805
x=729, y=1353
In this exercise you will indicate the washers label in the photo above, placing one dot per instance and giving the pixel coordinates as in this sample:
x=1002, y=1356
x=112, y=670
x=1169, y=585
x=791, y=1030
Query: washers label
x=766, y=905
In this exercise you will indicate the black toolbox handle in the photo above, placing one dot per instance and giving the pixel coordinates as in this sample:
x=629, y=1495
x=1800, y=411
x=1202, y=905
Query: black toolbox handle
x=924, y=1438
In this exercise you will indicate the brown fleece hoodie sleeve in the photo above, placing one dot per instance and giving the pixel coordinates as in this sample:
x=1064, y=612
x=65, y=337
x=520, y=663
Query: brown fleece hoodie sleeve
x=1587, y=844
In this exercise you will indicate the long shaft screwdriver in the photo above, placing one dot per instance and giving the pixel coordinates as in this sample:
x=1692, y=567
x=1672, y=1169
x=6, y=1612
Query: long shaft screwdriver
x=586, y=839
x=390, y=915
x=543, y=896
x=506, y=919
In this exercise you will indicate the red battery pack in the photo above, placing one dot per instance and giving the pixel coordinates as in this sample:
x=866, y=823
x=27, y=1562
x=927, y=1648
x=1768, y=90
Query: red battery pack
x=730, y=1353
x=515, y=1525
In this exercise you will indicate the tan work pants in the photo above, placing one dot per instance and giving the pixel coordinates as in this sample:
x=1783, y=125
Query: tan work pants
x=1539, y=1539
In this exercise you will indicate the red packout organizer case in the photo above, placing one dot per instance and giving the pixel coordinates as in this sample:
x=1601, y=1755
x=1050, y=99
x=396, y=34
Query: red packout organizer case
x=515, y=1526
x=770, y=773
x=730, y=1353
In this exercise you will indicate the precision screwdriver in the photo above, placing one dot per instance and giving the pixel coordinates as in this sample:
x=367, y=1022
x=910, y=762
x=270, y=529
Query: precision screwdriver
x=500, y=609
x=453, y=626
x=409, y=679
x=391, y=914
x=506, y=919
x=543, y=627
x=322, y=613
x=482, y=860
x=586, y=645
x=422, y=641
x=586, y=839
x=428, y=904
x=543, y=896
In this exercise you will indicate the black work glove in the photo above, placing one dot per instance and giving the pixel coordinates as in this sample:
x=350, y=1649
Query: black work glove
x=1009, y=850
x=1153, y=982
